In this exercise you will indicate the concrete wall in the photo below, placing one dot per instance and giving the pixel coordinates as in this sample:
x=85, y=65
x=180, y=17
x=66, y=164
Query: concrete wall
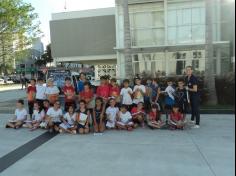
x=83, y=36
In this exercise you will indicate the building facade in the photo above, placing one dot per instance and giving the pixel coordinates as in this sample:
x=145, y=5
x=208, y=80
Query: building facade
x=165, y=37
x=168, y=35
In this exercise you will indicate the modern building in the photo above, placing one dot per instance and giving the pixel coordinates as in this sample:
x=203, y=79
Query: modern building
x=85, y=37
x=26, y=65
x=165, y=36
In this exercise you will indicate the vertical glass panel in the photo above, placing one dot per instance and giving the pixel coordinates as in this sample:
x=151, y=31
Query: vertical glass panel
x=184, y=34
x=179, y=17
x=186, y=16
x=196, y=15
x=198, y=33
x=172, y=20
x=172, y=31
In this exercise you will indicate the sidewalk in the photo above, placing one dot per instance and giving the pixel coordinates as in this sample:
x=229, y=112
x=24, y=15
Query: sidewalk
x=208, y=151
x=10, y=87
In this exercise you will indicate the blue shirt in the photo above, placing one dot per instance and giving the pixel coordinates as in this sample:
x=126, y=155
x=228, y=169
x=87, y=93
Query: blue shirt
x=80, y=86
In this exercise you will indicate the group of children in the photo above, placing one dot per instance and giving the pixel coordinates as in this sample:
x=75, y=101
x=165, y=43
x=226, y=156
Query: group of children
x=109, y=106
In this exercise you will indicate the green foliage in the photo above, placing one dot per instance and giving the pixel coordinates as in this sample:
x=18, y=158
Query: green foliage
x=46, y=57
x=18, y=28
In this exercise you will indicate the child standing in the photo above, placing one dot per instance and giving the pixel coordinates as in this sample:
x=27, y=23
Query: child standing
x=111, y=113
x=169, y=99
x=20, y=116
x=139, y=92
x=138, y=115
x=52, y=92
x=115, y=91
x=37, y=118
x=54, y=117
x=40, y=92
x=126, y=95
x=69, y=92
x=124, y=120
x=154, y=118
x=68, y=122
x=31, y=92
x=182, y=97
x=82, y=118
x=98, y=116
x=87, y=95
x=176, y=118
x=104, y=89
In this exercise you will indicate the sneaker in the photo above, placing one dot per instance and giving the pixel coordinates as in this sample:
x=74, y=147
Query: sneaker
x=196, y=126
x=192, y=122
x=24, y=125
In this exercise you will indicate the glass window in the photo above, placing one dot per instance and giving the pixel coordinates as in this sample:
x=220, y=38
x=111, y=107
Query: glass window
x=186, y=16
x=184, y=34
x=198, y=33
x=172, y=35
x=172, y=18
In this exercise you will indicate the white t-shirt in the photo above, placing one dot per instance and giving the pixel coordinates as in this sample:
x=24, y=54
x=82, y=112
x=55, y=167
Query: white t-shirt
x=111, y=113
x=70, y=119
x=125, y=117
x=126, y=97
x=40, y=92
x=139, y=97
x=52, y=90
x=38, y=116
x=55, y=114
x=21, y=114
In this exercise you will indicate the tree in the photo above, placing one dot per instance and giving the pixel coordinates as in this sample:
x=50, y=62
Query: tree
x=18, y=29
x=46, y=57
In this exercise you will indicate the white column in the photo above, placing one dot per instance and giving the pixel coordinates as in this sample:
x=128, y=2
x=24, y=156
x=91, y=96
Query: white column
x=166, y=21
x=218, y=62
x=167, y=62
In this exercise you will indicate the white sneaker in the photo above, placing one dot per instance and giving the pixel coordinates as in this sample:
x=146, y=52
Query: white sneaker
x=196, y=126
x=192, y=121
x=25, y=126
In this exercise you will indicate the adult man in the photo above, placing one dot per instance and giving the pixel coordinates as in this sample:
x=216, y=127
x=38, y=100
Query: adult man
x=192, y=87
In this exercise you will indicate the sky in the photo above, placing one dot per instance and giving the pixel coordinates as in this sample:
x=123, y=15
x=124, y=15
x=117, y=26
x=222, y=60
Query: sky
x=45, y=8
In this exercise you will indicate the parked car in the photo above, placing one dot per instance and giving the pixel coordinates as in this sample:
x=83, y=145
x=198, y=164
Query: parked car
x=9, y=81
x=2, y=81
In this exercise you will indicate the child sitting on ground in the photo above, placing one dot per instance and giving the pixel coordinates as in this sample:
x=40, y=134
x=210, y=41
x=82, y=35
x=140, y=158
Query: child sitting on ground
x=111, y=114
x=154, y=118
x=20, y=116
x=176, y=120
x=124, y=120
x=83, y=118
x=54, y=117
x=138, y=115
x=37, y=117
x=98, y=115
x=68, y=122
